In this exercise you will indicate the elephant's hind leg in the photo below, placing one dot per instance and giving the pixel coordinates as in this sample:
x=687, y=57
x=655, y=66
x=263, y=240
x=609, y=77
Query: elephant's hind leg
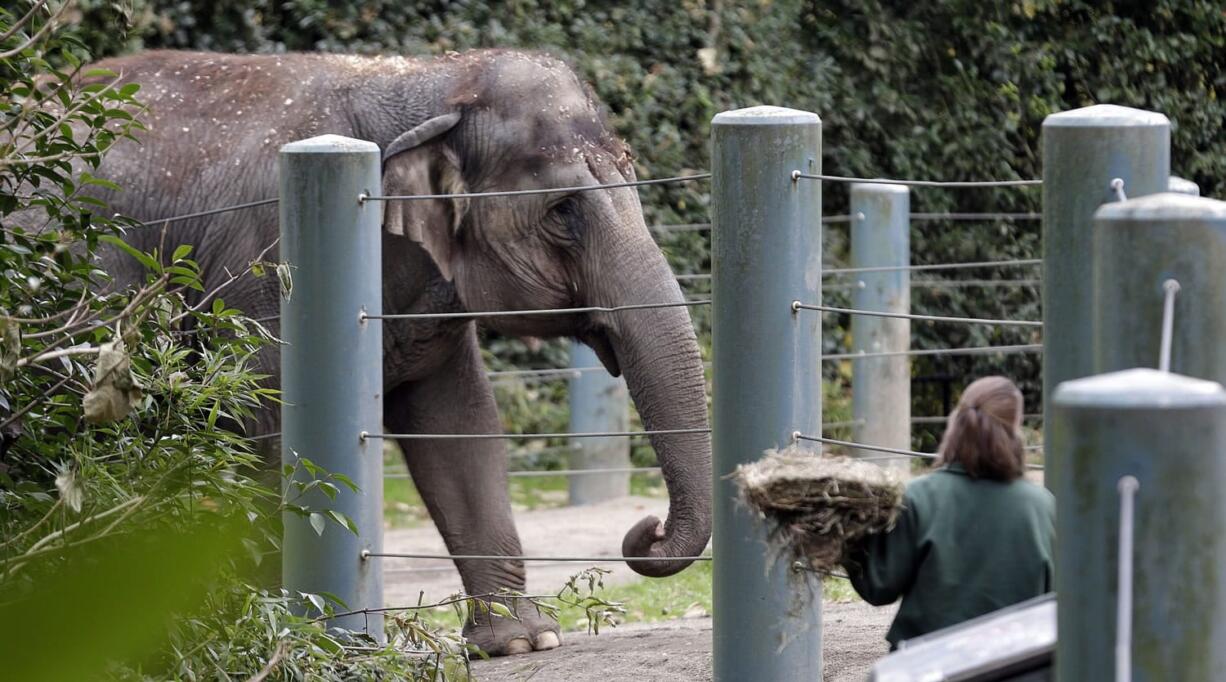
x=464, y=486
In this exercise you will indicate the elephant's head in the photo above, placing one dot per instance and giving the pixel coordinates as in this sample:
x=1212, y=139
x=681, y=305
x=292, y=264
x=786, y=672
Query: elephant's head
x=518, y=121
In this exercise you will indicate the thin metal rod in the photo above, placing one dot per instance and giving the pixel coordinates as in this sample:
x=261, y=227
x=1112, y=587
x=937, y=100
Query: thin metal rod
x=876, y=448
x=529, y=192
x=1128, y=486
x=936, y=419
x=1170, y=287
x=959, y=283
x=796, y=436
x=544, y=473
x=973, y=350
x=797, y=306
x=546, y=311
x=567, y=373
x=917, y=183
x=843, y=218
x=497, y=436
x=203, y=214
x=976, y=216
x=938, y=266
x=683, y=227
x=495, y=557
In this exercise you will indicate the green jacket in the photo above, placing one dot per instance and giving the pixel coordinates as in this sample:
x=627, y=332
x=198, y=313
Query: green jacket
x=961, y=548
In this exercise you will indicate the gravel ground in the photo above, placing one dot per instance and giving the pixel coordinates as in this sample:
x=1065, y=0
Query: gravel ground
x=681, y=650
x=677, y=650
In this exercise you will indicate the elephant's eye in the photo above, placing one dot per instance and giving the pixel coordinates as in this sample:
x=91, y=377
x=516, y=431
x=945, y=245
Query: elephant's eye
x=564, y=220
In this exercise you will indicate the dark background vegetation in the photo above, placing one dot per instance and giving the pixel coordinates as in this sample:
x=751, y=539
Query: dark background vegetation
x=942, y=89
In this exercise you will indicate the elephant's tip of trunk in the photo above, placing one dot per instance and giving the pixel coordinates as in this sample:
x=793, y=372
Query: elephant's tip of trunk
x=649, y=540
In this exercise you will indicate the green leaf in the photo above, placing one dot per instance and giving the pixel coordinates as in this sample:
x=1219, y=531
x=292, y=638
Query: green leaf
x=144, y=258
x=318, y=522
x=500, y=609
x=317, y=601
x=182, y=251
x=344, y=521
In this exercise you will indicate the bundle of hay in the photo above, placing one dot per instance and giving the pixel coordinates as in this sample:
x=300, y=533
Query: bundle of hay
x=819, y=505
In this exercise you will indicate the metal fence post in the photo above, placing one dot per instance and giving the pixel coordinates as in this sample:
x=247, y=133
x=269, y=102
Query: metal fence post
x=1169, y=432
x=1139, y=244
x=766, y=252
x=332, y=368
x=1083, y=151
x=881, y=386
x=598, y=402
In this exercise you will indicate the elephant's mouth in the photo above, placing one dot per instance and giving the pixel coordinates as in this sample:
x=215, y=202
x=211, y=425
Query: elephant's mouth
x=598, y=341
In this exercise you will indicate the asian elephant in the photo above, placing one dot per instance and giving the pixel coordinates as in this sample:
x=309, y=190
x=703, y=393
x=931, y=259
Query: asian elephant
x=473, y=122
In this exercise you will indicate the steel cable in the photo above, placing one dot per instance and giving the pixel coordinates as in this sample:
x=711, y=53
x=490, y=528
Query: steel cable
x=530, y=192
x=796, y=175
x=797, y=306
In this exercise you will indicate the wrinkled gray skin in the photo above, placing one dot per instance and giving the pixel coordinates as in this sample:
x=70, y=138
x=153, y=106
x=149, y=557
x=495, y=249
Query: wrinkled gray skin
x=478, y=122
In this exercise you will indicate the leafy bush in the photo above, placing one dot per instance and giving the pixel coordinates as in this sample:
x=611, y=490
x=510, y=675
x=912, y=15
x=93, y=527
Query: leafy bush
x=126, y=496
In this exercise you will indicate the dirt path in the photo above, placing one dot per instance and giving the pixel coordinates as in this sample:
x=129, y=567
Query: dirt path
x=681, y=650
x=594, y=530
x=676, y=650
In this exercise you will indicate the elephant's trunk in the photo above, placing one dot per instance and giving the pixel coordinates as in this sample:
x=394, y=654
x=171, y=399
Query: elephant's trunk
x=658, y=354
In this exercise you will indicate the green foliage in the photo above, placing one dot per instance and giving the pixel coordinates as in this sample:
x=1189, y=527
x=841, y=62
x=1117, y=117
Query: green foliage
x=121, y=472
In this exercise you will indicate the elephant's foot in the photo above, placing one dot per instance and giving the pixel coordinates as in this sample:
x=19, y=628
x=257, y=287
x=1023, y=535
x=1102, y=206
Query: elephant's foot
x=502, y=636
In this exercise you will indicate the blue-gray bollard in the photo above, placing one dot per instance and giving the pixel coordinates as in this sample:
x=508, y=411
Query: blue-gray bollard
x=766, y=252
x=881, y=386
x=1183, y=186
x=1169, y=432
x=332, y=368
x=598, y=402
x=1139, y=245
x=1083, y=151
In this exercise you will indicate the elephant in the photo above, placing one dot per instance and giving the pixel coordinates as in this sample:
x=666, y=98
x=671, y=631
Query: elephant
x=479, y=121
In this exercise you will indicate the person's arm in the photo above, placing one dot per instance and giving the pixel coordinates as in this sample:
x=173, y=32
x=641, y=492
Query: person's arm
x=883, y=567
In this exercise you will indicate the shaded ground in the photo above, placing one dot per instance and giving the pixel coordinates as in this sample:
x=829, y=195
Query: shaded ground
x=681, y=650
x=674, y=650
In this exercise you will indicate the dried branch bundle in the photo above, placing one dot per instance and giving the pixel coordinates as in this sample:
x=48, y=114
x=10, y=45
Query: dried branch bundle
x=819, y=506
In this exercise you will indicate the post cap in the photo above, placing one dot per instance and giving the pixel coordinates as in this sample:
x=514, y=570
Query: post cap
x=1163, y=207
x=766, y=115
x=1183, y=186
x=1106, y=116
x=329, y=144
x=1139, y=388
x=878, y=188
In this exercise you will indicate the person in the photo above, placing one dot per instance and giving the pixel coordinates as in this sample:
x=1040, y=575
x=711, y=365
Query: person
x=973, y=536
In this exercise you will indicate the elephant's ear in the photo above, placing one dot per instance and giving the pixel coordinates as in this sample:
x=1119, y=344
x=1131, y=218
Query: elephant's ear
x=416, y=163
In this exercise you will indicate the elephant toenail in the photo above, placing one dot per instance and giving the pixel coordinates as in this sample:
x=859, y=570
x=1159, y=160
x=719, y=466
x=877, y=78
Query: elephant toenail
x=547, y=640
x=519, y=645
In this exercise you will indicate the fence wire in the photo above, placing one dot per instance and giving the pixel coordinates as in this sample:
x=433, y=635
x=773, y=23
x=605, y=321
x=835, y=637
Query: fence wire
x=205, y=214
x=538, y=312
x=495, y=557
x=531, y=192
x=515, y=436
x=797, y=306
x=798, y=436
x=1026, y=262
x=796, y=175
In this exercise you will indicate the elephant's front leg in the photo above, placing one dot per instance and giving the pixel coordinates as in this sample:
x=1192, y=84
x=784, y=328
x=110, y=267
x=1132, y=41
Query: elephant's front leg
x=464, y=486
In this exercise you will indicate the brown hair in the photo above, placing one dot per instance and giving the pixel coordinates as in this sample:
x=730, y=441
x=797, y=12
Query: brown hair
x=984, y=431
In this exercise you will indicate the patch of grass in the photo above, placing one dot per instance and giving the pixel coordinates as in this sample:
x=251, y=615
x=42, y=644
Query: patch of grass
x=653, y=600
